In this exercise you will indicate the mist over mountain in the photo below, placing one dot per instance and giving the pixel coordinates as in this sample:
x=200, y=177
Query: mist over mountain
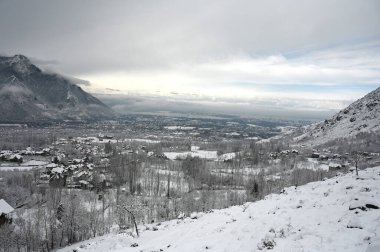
x=28, y=94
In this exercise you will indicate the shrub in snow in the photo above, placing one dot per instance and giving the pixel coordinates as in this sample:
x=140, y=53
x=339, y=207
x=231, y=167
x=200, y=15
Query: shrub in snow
x=134, y=245
x=281, y=233
x=267, y=243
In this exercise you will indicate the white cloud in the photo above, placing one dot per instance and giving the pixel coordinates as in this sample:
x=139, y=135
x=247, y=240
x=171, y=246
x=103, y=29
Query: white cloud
x=277, y=69
x=245, y=77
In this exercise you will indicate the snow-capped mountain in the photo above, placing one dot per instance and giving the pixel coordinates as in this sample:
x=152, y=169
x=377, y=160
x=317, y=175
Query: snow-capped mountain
x=337, y=214
x=29, y=94
x=361, y=116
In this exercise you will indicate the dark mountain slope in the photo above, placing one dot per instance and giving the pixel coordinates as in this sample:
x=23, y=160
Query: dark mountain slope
x=29, y=94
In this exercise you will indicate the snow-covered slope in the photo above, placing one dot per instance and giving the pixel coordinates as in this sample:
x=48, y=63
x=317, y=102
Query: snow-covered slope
x=361, y=116
x=29, y=94
x=337, y=214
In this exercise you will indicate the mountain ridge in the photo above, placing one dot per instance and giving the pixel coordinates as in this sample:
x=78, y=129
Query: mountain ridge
x=363, y=115
x=27, y=94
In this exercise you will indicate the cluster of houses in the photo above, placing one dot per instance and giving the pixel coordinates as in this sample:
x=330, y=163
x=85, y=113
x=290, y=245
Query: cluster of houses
x=75, y=173
x=338, y=161
x=9, y=156
x=328, y=156
x=84, y=173
x=17, y=156
x=329, y=160
x=55, y=169
x=284, y=153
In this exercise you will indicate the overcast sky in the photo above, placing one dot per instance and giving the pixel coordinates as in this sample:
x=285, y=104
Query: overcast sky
x=309, y=54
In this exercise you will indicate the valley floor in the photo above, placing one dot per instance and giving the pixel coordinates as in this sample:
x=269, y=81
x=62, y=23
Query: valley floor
x=338, y=214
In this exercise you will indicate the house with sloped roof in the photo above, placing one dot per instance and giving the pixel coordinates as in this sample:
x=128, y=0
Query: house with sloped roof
x=5, y=212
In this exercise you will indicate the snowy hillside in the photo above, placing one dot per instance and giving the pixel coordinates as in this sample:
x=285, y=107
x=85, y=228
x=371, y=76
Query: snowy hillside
x=361, y=116
x=338, y=214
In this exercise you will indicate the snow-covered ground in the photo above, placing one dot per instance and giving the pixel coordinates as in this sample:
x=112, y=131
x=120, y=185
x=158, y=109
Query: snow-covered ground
x=179, y=128
x=337, y=214
x=197, y=152
x=204, y=154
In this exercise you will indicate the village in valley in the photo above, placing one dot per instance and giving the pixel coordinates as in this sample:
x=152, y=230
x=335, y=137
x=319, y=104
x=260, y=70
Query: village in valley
x=189, y=126
x=160, y=173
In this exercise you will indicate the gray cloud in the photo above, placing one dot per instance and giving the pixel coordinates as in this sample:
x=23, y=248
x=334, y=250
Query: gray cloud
x=92, y=36
x=220, y=55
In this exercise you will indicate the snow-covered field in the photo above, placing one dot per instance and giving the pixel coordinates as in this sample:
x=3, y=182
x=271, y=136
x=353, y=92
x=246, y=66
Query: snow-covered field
x=179, y=128
x=337, y=214
x=197, y=152
x=22, y=167
x=204, y=154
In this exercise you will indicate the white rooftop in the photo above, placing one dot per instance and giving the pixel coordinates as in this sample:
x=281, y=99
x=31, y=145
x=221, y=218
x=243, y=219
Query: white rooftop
x=5, y=207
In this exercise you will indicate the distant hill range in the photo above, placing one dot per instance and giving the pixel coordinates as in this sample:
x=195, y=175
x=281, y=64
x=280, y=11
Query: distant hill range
x=28, y=94
x=361, y=116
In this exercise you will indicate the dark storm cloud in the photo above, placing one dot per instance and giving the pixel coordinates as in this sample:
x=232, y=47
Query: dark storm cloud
x=103, y=36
